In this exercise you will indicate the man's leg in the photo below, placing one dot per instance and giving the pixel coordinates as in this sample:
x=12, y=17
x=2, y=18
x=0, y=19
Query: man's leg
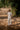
x=10, y=21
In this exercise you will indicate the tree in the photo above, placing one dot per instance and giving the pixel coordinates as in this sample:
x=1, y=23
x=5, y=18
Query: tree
x=3, y=2
x=1, y=5
x=18, y=7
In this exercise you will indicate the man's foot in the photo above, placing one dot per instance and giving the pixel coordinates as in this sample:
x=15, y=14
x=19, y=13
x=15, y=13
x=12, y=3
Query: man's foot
x=9, y=24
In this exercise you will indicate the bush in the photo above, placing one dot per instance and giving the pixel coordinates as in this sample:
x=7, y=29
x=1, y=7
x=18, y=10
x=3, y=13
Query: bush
x=1, y=5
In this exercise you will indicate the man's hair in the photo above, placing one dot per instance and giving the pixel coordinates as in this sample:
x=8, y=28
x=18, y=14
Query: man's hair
x=9, y=10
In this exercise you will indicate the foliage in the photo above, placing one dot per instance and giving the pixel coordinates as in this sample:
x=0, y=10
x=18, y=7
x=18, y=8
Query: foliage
x=1, y=5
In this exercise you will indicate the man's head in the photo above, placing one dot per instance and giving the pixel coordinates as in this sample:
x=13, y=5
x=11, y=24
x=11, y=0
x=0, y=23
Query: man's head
x=9, y=10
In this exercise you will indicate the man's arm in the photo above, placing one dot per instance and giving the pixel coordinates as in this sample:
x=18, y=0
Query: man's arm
x=11, y=14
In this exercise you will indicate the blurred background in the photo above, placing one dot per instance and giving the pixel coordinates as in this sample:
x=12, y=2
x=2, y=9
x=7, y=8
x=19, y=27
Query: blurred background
x=14, y=6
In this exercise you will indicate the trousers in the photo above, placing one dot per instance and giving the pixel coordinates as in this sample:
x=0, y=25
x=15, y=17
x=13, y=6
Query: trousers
x=9, y=21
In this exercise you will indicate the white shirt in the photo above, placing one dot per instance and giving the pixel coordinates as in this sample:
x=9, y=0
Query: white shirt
x=9, y=14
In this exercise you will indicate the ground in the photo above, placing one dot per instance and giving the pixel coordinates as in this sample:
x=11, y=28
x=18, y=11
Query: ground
x=4, y=26
x=8, y=28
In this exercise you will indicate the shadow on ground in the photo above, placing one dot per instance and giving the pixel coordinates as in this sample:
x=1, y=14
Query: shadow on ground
x=7, y=28
x=3, y=28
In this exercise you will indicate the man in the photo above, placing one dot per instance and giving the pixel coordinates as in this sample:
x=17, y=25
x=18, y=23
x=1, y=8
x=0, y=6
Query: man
x=9, y=17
